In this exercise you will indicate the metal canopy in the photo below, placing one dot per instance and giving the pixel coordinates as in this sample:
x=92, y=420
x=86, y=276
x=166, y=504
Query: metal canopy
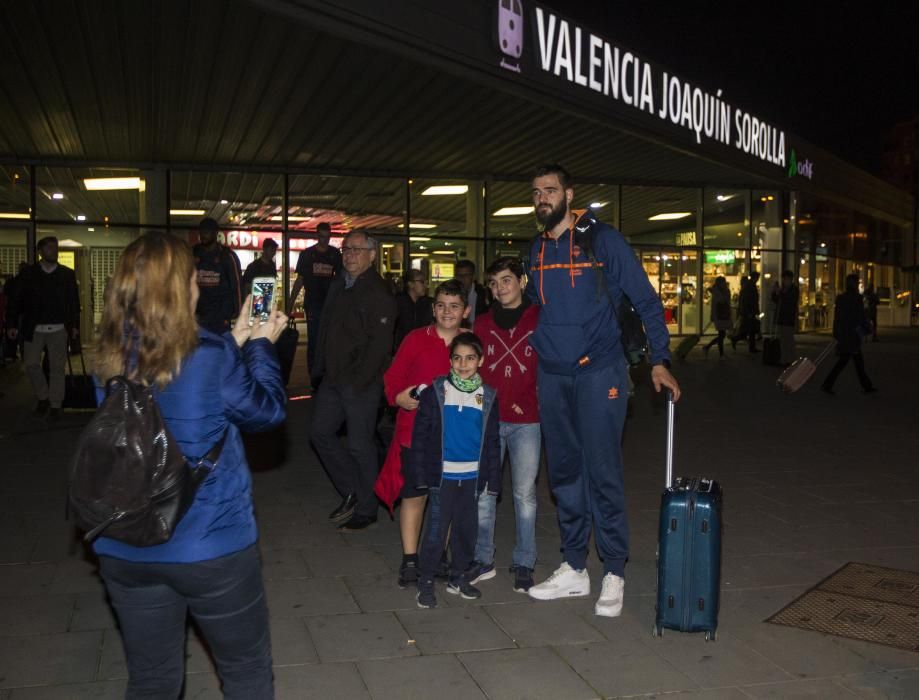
x=231, y=85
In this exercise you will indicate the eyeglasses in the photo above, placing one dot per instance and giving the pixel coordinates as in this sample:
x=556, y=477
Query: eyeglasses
x=349, y=250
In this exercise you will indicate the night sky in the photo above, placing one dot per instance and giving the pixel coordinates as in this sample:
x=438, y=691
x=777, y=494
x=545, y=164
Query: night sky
x=837, y=74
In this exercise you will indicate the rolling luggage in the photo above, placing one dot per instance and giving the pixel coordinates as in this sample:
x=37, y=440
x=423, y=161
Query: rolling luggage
x=772, y=351
x=287, y=349
x=79, y=389
x=689, y=551
x=802, y=369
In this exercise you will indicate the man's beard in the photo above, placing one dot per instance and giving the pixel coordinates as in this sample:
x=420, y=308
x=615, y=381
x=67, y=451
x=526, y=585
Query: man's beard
x=549, y=221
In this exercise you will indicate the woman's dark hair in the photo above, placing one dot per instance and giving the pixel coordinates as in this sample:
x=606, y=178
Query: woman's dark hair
x=515, y=265
x=470, y=340
x=852, y=282
x=451, y=288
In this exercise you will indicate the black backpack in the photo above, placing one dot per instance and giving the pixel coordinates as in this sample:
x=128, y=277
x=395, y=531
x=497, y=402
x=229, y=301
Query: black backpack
x=129, y=480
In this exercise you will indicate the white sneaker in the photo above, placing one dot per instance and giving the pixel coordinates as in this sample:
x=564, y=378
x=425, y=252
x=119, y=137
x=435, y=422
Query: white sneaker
x=565, y=582
x=609, y=604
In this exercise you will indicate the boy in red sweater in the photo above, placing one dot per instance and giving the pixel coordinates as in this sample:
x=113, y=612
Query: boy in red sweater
x=422, y=356
x=510, y=367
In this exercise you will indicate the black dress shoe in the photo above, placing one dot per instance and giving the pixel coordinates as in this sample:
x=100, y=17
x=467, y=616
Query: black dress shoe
x=356, y=523
x=345, y=509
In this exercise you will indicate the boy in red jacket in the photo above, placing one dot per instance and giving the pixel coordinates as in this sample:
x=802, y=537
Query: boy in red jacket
x=510, y=367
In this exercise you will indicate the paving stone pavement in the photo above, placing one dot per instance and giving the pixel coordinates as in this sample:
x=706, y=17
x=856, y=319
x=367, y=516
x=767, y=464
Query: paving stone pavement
x=810, y=482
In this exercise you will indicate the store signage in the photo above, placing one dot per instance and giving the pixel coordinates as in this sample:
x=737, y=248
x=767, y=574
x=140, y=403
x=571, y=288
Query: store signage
x=686, y=238
x=577, y=56
x=719, y=257
x=804, y=168
x=253, y=240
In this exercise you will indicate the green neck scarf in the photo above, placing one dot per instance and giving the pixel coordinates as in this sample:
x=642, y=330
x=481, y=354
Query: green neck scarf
x=467, y=386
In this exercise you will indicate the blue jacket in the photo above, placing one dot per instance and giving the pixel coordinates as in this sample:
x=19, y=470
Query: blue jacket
x=577, y=319
x=220, y=386
x=425, y=463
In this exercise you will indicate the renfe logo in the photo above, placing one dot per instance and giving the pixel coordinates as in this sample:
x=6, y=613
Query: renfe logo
x=805, y=169
x=510, y=33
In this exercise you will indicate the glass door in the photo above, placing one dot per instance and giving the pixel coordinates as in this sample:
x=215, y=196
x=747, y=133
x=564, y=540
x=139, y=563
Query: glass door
x=690, y=292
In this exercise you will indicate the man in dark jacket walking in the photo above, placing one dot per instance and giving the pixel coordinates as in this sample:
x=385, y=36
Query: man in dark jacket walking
x=786, y=300
x=850, y=325
x=355, y=342
x=46, y=308
x=219, y=280
x=748, y=303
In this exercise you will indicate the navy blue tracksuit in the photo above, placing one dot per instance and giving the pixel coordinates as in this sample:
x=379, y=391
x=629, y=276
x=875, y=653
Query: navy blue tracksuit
x=583, y=384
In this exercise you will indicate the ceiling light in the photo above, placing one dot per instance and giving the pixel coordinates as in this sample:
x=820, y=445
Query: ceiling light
x=445, y=189
x=113, y=183
x=443, y=252
x=419, y=239
x=598, y=205
x=13, y=215
x=186, y=212
x=223, y=201
x=57, y=195
x=69, y=243
x=669, y=216
x=421, y=255
x=513, y=211
x=724, y=197
x=81, y=217
x=388, y=245
x=419, y=226
x=278, y=217
x=91, y=229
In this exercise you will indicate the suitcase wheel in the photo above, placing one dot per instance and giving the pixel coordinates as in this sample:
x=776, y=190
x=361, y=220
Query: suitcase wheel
x=711, y=636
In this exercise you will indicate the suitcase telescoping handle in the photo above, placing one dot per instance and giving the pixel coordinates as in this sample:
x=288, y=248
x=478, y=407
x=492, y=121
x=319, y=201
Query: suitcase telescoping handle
x=670, y=412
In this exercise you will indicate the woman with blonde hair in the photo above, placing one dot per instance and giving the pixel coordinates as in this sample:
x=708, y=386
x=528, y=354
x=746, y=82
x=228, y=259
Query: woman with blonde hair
x=207, y=386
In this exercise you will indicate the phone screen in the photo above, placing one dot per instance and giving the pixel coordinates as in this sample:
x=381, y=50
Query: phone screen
x=262, y=297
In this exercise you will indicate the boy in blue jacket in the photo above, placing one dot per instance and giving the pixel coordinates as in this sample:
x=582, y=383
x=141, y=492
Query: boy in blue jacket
x=455, y=454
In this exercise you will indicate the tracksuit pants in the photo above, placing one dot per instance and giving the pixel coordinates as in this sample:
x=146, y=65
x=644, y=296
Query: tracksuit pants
x=452, y=510
x=582, y=419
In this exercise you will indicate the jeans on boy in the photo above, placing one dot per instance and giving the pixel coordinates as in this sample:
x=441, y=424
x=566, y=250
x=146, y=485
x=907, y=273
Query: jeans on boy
x=522, y=441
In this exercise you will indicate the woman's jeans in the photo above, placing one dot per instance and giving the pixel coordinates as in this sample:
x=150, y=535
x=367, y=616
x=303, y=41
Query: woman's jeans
x=522, y=441
x=226, y=598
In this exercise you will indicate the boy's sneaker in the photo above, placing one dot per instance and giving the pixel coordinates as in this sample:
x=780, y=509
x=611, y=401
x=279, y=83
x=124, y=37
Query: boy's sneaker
x=565, y=582
x=523, y=578
x=464, y=588
x=425, y=595
x=480, y=572
x=609, y=604
x=408, y=573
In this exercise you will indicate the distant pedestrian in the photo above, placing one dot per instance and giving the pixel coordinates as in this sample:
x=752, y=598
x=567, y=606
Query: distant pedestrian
x=749, y=312
x=477, y=296
x=720, y=314
x=455, y=457
x=786, y=300
x=219, y=280
x=414, y=308
x=46, y=307
x=850, y=325
x=872, y=300
x=262, y=266
x=317, y=267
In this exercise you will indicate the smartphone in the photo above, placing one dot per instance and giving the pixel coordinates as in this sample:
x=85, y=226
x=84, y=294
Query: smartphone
x=262, y=299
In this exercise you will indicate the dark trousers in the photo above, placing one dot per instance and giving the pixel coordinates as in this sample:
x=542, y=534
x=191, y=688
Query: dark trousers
x=452, y=509
x=749, y=328
x=582, y=419
x=312, y=335
x=843, y=360
x=719, y=341
x=225, y=597
x=353, y=469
